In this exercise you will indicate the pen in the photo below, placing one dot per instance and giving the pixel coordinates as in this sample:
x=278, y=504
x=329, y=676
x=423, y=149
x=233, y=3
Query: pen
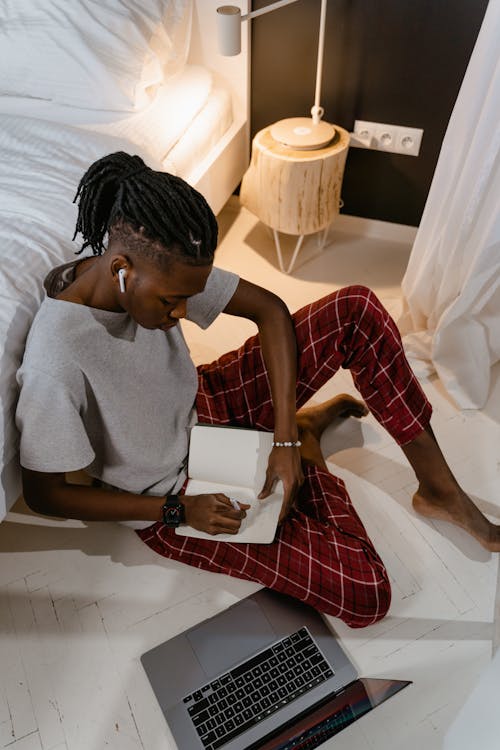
x=235, y=503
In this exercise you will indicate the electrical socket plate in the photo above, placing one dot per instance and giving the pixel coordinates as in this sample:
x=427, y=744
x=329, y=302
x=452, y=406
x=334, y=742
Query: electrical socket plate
x=379, y=136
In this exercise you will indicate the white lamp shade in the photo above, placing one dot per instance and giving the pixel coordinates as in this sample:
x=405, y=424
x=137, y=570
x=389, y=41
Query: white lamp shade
x=229, y=30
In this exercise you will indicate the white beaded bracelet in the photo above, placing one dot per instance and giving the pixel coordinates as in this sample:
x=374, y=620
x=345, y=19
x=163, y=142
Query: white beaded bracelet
x=287, y=444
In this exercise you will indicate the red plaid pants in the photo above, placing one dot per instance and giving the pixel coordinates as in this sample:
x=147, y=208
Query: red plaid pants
x=321, y=554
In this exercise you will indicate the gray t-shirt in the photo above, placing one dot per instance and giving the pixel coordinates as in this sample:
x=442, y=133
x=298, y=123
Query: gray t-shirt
x=102, y=393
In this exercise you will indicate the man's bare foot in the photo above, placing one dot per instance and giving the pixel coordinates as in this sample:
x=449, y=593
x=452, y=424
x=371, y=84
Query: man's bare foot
x=316, y=419
x=440, y=496
x=313, y=421
x=456, y=507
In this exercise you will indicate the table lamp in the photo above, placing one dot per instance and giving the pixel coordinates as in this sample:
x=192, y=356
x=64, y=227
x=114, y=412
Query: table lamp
x=301, y=133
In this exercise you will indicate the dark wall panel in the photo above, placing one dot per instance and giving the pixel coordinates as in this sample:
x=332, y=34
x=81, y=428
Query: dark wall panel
x=394, y=61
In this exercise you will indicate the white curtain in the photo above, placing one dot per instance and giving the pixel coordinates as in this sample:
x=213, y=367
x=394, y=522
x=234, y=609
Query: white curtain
x=451, y=289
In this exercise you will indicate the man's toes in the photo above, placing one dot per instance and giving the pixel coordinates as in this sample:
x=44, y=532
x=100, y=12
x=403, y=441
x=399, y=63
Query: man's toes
x=353, y=408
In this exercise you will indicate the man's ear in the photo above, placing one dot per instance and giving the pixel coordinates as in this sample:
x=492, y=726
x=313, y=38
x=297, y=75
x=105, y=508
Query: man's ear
x=120, y=268
x=120, y=260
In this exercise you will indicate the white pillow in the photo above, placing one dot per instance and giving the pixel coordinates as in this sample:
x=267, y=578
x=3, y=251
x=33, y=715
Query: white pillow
x=94, y=54
x=160, y=125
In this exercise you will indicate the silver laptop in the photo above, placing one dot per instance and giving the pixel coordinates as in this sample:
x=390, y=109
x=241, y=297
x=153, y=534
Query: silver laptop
x=239, y=677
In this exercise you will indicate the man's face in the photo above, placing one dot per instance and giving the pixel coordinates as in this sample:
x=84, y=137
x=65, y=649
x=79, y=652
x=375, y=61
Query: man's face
x=157, y=298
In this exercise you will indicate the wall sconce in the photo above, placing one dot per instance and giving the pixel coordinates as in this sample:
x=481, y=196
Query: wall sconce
x=302, y=133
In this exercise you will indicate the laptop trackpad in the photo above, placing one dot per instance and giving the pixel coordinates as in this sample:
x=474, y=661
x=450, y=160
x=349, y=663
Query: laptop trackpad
x=232, y=636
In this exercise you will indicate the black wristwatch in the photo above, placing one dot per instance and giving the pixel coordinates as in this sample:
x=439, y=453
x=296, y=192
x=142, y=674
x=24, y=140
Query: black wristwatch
x=173, y=511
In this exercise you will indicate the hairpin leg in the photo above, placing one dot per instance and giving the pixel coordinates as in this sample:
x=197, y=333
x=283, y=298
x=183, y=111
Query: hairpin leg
x=296, y=252
x=279, y=253
x=322, y=236
x=278, y=250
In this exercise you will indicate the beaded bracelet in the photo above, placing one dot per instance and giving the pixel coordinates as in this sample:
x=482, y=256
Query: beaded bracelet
x=287, y=444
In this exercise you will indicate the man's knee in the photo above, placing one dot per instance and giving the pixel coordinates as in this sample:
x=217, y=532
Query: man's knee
x=371, y=603
x=366, y=603
x=362, y=300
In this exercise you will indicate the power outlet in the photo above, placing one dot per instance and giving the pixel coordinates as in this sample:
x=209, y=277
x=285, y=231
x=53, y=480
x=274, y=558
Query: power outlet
x=397, y=139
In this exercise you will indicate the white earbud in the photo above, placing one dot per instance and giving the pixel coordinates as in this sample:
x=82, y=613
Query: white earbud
x=121, y=279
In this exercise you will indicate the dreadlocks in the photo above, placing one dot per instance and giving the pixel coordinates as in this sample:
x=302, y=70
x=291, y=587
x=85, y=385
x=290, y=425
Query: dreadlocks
x=154, y=213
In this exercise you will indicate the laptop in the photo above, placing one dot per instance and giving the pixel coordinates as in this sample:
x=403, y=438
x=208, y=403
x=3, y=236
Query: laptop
x=267, y=667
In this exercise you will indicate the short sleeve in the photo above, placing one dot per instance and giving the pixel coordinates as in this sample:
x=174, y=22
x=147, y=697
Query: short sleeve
x=53, y=436
x=203, y=308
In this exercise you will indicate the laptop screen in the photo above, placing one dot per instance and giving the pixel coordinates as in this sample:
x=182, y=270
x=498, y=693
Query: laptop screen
x=335, y=714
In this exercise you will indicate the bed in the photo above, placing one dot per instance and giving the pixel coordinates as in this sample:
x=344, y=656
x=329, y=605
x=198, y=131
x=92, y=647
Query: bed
x=97, y=76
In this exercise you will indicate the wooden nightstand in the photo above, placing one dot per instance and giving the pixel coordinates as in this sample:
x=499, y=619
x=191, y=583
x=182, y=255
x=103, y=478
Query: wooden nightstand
x=293, y=191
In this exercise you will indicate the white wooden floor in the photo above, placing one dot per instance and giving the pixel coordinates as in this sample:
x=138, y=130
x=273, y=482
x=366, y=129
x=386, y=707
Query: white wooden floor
x=80, y=602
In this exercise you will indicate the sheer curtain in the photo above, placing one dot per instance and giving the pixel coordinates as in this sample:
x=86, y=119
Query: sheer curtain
x=451, y=289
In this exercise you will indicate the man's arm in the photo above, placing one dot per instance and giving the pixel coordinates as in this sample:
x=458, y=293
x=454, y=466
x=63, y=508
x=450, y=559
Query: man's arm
x=279, y=349
x=52, y=495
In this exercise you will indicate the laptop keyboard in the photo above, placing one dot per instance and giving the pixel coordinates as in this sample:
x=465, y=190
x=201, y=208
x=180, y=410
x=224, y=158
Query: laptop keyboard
x=237, y=700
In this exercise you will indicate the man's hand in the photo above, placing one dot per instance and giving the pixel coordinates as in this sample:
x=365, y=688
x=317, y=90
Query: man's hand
x=284, y=464
x=213, y=514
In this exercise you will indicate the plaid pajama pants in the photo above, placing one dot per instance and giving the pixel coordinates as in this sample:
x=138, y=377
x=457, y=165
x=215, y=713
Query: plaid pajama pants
x=321, y=554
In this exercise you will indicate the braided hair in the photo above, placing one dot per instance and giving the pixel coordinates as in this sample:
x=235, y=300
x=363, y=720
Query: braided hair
x=153, y=213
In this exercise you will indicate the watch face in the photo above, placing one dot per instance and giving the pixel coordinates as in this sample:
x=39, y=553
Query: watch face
x=173, y=514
